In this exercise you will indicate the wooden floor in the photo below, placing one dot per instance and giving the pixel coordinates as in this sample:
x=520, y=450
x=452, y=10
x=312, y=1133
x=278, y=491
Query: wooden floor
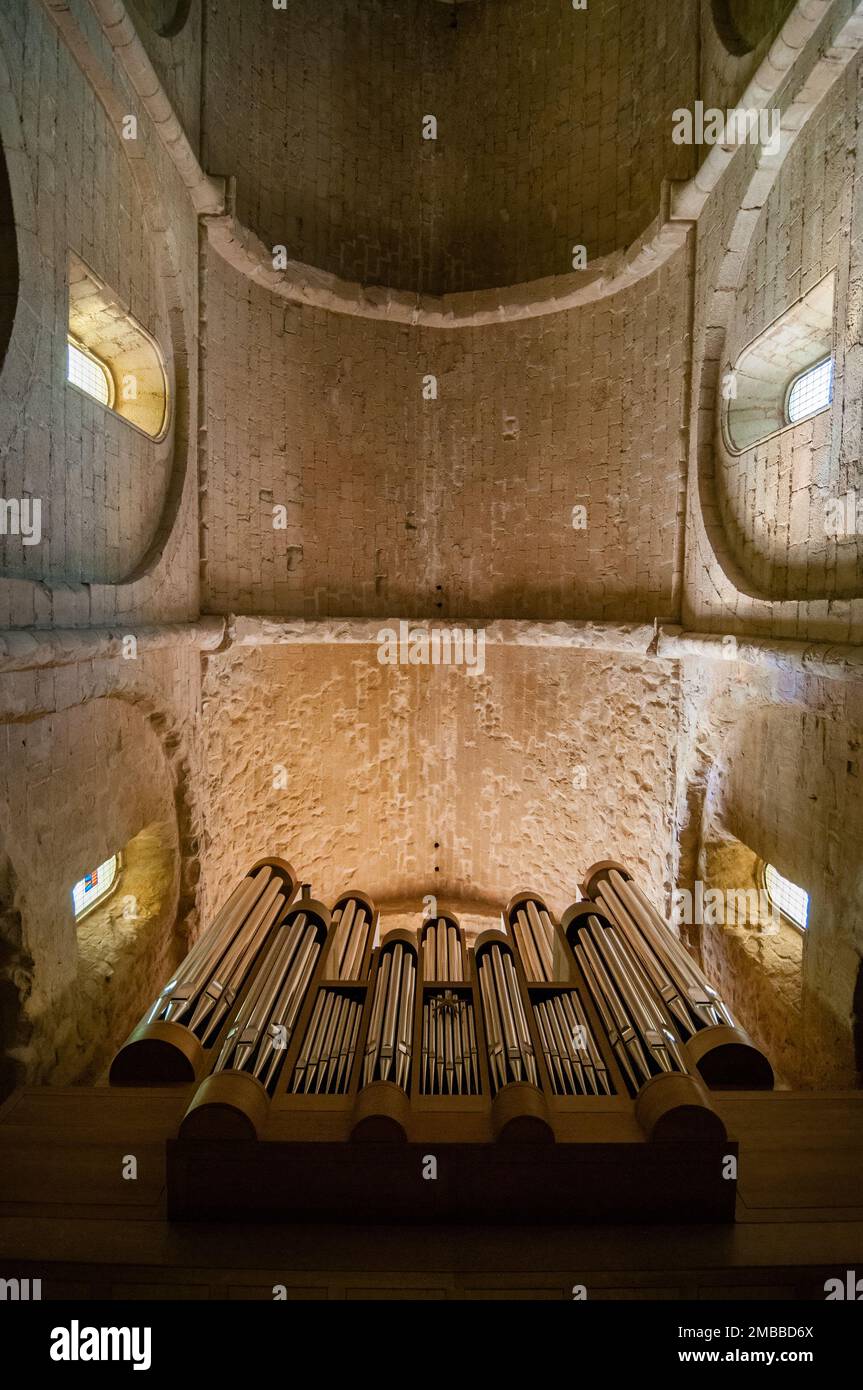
x=68, y=1217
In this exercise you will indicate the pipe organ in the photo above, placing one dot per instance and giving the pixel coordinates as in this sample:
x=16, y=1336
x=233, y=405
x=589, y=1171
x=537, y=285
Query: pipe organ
x=301, y=1028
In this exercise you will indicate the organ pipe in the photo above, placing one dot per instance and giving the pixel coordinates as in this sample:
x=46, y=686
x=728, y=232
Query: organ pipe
x=510, y=1047
x=353, y=922
x=637, y=1024
x=442, y=950
x=450, y=1064
x=388, y=1047
x=677, y=1019
x=187, y=1016
x=264, y=1024
x=687, y=994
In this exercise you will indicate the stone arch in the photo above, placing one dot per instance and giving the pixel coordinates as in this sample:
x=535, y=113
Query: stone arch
x=711, y=537
x=771, y=777
x=30, y=333
x=75, y=989
x=9, y=273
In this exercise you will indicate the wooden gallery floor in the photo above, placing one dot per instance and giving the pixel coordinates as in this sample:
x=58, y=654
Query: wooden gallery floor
x=70, y=1218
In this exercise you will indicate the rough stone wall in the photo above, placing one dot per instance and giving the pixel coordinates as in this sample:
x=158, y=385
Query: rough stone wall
x=772, y=761
x=82, y=986
x=408, y=780
x=774, y=496
x=553, y=130
x=99, y=754
x=459, y=506
x=115, y=505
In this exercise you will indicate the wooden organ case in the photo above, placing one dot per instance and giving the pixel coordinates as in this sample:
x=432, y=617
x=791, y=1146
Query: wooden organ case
x=547, y=1072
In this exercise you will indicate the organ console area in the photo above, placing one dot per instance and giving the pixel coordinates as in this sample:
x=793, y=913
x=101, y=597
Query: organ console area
x=545, y=1070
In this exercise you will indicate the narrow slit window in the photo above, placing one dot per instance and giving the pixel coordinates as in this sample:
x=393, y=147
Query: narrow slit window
x=791, y=900
x=87, y=373
x=810, y=392
x=95, y=886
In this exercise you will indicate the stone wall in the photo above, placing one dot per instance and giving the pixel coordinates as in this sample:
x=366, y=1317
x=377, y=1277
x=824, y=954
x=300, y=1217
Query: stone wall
x=78, y=988
x=460, y=506
x=408, y=780
x=775, y=496
x=117, y=530
x=772, y=768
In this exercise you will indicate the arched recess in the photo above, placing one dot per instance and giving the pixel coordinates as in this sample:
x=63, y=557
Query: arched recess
x=35, y=362
x=22, y=321
x=783, y=788
x=723, y=563
x=94, y=779
x=8, y=260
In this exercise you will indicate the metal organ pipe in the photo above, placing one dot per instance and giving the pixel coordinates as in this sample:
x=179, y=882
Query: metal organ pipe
x=187, y=1016
x=257, y=1039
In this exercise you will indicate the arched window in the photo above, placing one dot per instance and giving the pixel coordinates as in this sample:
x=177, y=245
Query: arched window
x=785, y=375
x=95, y=886
x=786, y=897
x=89, y=374
x=109, y=349
x=810, y=392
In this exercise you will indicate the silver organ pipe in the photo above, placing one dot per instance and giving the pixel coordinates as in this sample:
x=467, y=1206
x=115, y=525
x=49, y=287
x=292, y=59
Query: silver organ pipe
x=693, y=1001
x=389, y=1042
x=638, y=1026
x=353, y=919
x=260, y=1034
x=510, y=1046
x=202, y=992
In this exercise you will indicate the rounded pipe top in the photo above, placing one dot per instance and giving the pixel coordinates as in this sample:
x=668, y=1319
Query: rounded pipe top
x=447, y=917
x=523, y=896
x=344, y=898
x=573, y=916
x=399, y=934
x=492, y=937
x=599, y=871
x=312, y=908
x=285, y=871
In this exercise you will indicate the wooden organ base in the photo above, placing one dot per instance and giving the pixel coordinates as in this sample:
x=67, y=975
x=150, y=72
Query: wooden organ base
x=306, y=1168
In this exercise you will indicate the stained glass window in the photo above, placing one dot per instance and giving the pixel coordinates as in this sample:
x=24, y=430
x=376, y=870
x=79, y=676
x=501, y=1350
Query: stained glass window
x=95, y=885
